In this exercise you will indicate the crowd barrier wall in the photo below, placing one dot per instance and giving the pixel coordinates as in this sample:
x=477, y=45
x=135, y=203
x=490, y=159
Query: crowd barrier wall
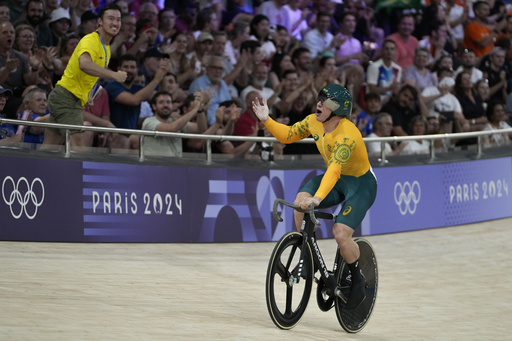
x=66, y=200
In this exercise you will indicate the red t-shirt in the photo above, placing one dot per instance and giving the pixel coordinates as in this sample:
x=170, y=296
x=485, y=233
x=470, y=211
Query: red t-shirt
x=245, y=125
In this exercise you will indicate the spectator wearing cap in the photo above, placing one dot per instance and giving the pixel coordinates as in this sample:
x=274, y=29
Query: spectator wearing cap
x=34, y=12
x=60, y=22
x=88, y=23
x=468, y=64
x=202, y=51
x=125, y=98
x=151, y=63
x=7, y=131
x=212, y=82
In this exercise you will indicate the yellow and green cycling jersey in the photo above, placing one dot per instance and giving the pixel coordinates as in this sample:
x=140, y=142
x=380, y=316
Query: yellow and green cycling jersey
x=343, y=149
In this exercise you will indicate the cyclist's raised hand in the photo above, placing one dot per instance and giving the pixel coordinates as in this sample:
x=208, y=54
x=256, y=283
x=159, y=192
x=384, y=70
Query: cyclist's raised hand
x=260, y=110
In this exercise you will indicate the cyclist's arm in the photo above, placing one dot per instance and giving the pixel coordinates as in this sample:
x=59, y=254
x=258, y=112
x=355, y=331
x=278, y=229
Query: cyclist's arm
x=338, y=160
x=330, y=178
x=288, y=134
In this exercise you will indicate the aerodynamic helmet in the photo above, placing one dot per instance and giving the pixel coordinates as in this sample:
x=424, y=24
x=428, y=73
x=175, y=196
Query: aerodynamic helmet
x=336, y=98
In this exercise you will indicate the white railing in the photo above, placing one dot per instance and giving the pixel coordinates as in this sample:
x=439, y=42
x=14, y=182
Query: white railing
x=383, y=140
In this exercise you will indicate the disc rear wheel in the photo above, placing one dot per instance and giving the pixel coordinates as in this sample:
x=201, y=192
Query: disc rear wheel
x=353, y=320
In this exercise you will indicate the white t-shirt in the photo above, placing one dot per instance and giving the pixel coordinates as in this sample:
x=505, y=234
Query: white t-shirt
x=476, y=74
x=374, y=148
x=414, y=147
x=315, y=42
x=498, y=139
x=378, y=74
x=445, y=103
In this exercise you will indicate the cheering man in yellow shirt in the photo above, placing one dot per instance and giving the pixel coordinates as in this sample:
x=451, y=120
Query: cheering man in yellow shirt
x=87, y=64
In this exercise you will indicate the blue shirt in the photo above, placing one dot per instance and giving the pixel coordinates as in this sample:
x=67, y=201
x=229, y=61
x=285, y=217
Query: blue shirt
x=6, y=130
x=368, y=127
x=202, y=83
x=123, y=116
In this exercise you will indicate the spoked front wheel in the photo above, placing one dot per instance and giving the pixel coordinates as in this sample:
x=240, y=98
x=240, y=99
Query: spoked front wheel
x=287, y=292
x=353, y=320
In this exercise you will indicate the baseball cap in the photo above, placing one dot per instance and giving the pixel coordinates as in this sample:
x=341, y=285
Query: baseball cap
x=5, y=91
x=204, y=36
x=58, y=14
x=153, y=52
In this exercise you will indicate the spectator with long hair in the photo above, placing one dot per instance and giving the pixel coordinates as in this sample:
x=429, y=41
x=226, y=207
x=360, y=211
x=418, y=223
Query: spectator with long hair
x=470, y=101
x=180, y=64
x=260, y=31
x=67, y=45
x=238, y=34
x=417, y=126
x=497, y=118
x=281, y=62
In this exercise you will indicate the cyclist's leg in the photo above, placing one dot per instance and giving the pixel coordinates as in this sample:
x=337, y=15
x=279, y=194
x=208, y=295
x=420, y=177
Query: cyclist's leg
x=307, y=191
x=348, y=247
x=299, y=216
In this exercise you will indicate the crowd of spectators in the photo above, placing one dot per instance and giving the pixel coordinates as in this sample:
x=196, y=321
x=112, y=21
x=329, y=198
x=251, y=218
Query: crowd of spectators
x=195, y=66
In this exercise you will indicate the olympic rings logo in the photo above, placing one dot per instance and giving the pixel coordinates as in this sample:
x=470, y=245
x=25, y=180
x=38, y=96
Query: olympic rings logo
x=23, y=196
x=407, y=196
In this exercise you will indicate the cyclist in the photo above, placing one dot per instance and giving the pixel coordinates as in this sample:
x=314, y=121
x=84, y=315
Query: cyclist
x=349, y=176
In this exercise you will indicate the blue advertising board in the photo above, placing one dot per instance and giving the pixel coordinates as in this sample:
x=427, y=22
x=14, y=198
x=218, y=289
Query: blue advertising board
x=76, y=201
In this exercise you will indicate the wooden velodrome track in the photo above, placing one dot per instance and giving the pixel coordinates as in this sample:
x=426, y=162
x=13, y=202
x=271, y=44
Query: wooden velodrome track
x=445, y=284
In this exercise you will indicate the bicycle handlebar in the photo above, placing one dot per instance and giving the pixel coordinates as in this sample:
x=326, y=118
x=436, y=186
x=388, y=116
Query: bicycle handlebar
x=310, y=210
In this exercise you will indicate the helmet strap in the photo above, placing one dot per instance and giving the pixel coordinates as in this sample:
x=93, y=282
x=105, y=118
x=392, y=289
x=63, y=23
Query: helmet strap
x=328, y=118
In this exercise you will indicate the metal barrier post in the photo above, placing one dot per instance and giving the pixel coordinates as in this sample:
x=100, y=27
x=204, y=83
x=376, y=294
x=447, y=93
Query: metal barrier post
x=208, y=151
x=432, y=151
x=479, y=147
x=67, y=145
x=141, y=148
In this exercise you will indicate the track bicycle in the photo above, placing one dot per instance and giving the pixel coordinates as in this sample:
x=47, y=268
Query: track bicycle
x=291, y=269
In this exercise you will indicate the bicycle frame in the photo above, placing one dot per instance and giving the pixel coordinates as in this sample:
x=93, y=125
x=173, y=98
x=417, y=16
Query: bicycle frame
x=291, y=274
x=308, y=231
